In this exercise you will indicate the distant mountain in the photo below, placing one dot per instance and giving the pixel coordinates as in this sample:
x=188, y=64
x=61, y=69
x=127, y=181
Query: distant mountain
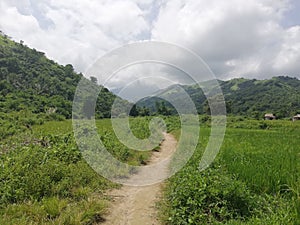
x=278, y=95
x=31, y=82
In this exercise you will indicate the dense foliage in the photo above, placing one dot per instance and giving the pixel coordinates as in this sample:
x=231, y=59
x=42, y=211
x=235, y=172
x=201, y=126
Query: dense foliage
x=45, y=180
x=253, y=98
x=29, y=81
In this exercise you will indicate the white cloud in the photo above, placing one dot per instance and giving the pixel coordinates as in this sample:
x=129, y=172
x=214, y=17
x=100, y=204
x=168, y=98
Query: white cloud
x=234, y=37
x=16, y=23
x=74, y=32
x=288, y=58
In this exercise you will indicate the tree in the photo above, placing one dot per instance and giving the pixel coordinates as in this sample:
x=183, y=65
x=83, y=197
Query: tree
x=134, y=111
x=206, y=107
x=69, y=69
x=228, y=106
x=144, y=111
x=162, y=109
x=93, y=79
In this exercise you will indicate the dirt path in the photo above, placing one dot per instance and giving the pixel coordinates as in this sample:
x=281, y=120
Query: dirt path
x=135, y=205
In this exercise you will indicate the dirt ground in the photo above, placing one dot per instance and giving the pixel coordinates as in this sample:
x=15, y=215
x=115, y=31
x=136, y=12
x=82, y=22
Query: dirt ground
x=135, y=205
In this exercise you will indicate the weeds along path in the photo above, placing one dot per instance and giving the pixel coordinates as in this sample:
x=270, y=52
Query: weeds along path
x=135, y=205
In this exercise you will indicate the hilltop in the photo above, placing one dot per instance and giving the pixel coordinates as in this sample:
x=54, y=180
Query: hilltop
x=35, y=89
x=31, y=82
x=250, y=97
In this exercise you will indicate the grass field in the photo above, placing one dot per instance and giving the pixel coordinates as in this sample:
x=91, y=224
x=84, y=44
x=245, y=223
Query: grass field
x=45, y=180
x=254, y=180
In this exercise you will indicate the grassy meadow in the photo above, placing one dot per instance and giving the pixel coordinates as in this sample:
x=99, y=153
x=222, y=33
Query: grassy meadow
x=254, y=179
x=45, y=180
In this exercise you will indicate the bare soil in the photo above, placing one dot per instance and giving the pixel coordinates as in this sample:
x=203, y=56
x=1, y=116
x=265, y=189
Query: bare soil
x=136, y=205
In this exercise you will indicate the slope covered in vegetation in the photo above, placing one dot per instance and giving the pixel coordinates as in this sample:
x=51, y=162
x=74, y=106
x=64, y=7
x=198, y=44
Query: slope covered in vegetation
x=34, y=89
x=279, y=95
x=30, y=81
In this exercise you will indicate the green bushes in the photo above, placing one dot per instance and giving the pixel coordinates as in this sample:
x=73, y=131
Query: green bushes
x=52, y=165
x=254, y=180
x=55, y=211
x=248, y=123
x=16, y=122
x=45, y=180
x=51, y=168
x=53, y=206
x=208, y=197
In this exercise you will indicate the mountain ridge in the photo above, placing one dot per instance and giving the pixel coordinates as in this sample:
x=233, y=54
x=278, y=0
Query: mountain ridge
x=249, y=97
x=29, y=81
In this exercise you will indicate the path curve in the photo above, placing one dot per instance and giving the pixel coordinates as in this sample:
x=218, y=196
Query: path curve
x=135, y=205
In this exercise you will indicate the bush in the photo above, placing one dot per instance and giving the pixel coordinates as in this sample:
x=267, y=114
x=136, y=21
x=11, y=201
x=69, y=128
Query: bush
x=208, y=197
x=51, y=167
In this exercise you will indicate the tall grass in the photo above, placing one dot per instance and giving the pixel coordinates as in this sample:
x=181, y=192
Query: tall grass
x=254, y=180
x=268, y=161
x=45, y=180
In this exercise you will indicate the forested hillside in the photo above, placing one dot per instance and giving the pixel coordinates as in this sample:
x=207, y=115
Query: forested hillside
x=30, y=82
x=279, y=95
x=34, y=89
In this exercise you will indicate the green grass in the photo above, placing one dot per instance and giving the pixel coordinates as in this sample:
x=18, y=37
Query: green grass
x=268, y=161
x=254, y=180
x=55, y=211
x=45, y=180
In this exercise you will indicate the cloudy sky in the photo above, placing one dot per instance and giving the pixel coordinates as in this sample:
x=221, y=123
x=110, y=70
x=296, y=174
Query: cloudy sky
x=236, y=38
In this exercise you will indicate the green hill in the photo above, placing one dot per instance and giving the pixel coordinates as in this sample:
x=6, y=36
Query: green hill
x=31, y=82
x=34, y=89
x=278, y=95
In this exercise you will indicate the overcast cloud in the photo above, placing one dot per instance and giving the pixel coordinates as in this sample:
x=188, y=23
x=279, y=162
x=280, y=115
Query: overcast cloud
x=236, y=38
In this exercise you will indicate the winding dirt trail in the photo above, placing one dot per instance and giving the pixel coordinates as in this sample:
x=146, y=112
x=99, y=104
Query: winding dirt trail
x=135, y=205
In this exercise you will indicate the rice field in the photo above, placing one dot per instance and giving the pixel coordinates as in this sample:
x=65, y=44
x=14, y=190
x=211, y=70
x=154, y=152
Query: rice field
x=254, y=180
